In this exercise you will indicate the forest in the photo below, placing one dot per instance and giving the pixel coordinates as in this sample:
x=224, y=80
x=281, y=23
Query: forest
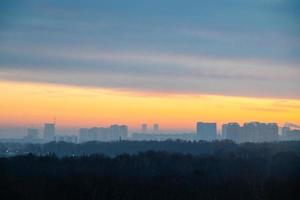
x=217, y=170
x=115, y=148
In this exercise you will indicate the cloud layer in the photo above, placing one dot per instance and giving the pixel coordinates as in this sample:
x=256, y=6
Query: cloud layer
x=249, y=48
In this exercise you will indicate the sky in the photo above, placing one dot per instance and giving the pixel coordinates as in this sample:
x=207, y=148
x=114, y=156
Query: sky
x=172, y=62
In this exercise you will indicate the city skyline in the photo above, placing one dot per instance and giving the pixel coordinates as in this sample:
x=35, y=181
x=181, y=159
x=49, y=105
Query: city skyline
x=205, y=131
x=52, y=128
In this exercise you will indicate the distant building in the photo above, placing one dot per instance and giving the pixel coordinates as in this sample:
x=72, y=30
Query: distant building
x=118, y=132
x=206, y=131
x=251, y=132
x=83, y=134
x=144, y=128
x=232, y=131
x=259, y=132
x=94, y=133
x=104, y=134
x=155, y=128
x=112, y=133
x=49, y=131
x=290, y=134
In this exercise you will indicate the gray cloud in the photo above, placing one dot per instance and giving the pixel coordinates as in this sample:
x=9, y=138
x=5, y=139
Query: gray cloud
x=248, y=48
x=158, y=72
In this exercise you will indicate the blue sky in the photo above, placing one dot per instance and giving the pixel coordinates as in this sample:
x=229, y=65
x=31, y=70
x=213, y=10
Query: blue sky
x=232, y=47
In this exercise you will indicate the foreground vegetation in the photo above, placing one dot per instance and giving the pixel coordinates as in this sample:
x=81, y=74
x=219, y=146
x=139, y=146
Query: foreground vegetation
x=248, y=171
x=62, y=149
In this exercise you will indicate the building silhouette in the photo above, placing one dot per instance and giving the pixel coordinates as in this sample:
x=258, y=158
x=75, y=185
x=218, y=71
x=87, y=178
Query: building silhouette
x=155, y=128
x=251, y=132
x=259, y=132
x=113, y=133
x=232, y=131
x=206, y=131
x=118, y=132
x=290, y=134
x=144, y=128
x=49, y=131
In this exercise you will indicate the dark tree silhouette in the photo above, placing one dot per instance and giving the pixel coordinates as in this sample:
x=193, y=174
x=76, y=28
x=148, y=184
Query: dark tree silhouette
x=218, y=170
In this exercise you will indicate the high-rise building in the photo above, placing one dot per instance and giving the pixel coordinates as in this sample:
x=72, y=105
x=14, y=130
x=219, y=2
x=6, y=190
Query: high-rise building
x=291, y=132
x=112, y=133
x=155, y=128
x=119, y=132
x=84, y=135
x=206, y=131
x=259, y=132
x=124, y=131
x=49, y=131
x=232, y=131
x=144, y=128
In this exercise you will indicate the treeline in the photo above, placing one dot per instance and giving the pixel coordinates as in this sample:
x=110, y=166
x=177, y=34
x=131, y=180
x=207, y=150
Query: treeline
x=133, y=147
x=152, y=175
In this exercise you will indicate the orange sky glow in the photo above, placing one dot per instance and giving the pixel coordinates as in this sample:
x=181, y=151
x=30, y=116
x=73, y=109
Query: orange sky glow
x=24, y=104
